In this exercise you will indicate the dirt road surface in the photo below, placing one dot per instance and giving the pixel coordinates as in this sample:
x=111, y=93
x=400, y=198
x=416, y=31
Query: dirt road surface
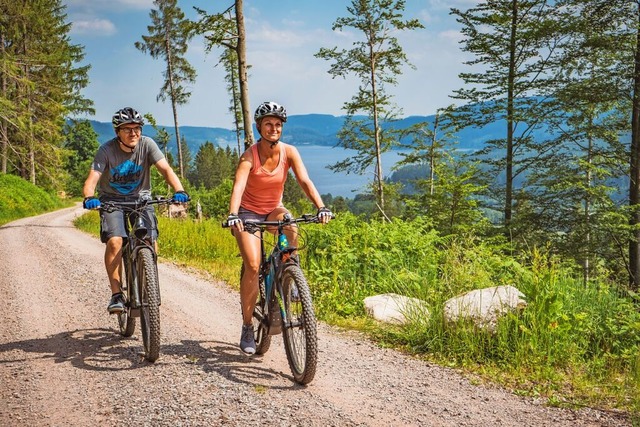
x=62, y=362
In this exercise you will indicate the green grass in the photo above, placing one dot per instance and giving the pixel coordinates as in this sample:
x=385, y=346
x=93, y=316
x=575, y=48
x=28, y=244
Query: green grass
x=20, y=198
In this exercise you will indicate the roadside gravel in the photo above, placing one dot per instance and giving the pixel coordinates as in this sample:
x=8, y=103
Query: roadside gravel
x=63, y=363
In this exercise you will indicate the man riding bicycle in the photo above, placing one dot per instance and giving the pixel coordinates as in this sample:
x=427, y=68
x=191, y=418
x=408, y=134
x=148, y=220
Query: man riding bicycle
x=121, y=171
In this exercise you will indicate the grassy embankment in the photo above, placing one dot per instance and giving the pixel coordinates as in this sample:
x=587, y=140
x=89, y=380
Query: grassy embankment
x=19, y=199
x=573, y=344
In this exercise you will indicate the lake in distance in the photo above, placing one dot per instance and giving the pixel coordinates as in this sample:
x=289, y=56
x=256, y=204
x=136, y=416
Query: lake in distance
x=316, y=158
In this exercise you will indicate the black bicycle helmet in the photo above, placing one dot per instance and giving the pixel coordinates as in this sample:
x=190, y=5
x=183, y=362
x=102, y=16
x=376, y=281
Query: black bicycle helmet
x=125, y=116
x=270, y=109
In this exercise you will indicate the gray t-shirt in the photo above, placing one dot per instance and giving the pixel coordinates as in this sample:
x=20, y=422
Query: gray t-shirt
x=126, y=175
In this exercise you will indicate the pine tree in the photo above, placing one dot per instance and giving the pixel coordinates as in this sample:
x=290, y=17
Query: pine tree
x=168, y=38
x=81, y=142
x=514, y=43
x=40, y=86
x=226, y=30
x=376, y=61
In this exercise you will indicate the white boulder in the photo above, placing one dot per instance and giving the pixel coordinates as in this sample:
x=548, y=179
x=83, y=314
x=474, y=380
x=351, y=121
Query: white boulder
x=485, y=306
x=394, y=308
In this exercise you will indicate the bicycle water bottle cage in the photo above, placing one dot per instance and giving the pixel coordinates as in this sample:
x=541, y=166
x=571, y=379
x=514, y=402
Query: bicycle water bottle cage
x=139, y=228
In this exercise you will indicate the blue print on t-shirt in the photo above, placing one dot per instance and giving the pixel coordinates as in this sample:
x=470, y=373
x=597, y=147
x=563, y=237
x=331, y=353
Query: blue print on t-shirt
x=126, y=177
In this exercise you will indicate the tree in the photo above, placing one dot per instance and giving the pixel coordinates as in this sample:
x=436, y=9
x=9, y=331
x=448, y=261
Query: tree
x=514, y=43
x=228, y=31
x=578, y=188
x=212, y=165
x=168, y=38
x=40, y=85
x=81, y=142
x=376, y=61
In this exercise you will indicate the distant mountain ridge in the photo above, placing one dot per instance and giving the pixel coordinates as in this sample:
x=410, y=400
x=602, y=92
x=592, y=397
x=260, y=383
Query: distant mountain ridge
x=305, y=129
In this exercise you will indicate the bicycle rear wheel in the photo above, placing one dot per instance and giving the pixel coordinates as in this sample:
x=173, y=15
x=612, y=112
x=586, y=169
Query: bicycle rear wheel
x=299, y=325
x=260, y=330
x=150, y=310
x=126, y=322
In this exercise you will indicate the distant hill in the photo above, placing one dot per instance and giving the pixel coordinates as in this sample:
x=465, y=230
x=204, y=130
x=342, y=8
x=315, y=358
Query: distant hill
x=307, y=129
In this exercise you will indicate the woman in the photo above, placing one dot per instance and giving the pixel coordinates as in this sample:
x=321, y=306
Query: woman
x=257, y=194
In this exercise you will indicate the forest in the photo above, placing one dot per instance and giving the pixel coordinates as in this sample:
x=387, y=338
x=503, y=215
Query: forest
x=546, y=213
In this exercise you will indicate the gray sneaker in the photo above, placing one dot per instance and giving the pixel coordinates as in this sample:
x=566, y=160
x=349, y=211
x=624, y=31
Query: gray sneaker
x=116, y=304
x=247, y=341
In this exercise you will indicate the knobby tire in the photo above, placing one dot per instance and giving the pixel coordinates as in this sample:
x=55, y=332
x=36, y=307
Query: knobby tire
x=299, y=326
x=150, y=310
x=260, y=331
x=126, y=322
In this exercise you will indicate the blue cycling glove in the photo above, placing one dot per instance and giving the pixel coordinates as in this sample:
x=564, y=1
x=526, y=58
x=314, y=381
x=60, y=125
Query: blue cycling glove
x=91, y=203
x=180, y=197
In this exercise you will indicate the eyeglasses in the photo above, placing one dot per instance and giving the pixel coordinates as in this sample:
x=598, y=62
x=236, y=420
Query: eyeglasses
x=136, y=130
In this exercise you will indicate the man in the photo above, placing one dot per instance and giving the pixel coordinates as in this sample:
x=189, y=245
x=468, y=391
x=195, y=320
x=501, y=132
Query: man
x=121, y=171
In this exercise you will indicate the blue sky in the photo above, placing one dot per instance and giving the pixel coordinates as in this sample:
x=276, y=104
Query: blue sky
x=282, y=38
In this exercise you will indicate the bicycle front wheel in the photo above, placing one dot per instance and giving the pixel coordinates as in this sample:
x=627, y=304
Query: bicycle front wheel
x=126, y=322
x=299, y=325
x=150, y=310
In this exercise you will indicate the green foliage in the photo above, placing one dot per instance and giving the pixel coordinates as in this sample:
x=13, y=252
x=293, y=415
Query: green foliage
x=214, y=203
x=81, y=141
x=212, y=166
x=19, y=199
x=168, y=39
x=352, y=259
x=41, y=85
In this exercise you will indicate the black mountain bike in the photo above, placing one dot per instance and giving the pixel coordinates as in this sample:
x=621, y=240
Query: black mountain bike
x=284, y=303
x=140, y=285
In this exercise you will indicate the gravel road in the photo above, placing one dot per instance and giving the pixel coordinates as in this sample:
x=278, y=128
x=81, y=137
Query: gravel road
x=63, y=363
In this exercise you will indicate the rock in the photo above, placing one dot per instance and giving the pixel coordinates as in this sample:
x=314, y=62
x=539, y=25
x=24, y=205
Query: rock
x=485, y=306
x=394, y=308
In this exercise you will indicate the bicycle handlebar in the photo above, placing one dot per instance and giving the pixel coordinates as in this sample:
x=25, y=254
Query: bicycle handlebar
x=111, y=205
x=305, y=218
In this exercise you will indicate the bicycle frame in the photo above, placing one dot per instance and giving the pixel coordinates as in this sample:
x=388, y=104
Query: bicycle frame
x=285, y=304
x=271, y=266
x=140, y=283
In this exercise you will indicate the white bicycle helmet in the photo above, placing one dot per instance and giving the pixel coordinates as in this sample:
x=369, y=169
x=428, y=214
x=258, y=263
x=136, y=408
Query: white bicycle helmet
x=270, y=109
x=125, y=116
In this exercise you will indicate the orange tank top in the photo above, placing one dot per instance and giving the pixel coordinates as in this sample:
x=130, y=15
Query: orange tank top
x=264, y=189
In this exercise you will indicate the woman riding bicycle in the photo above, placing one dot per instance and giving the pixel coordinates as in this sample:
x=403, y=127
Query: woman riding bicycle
x=257, y=195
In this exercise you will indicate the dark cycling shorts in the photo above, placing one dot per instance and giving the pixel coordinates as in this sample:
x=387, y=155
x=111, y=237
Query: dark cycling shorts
x=113, y=224
x=247, y=215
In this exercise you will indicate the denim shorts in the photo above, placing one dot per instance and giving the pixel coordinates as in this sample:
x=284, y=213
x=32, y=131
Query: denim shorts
x=113, y=224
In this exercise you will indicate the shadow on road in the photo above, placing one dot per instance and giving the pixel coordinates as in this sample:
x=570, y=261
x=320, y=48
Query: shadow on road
x=228, y=361
x=93, y=349
x=104, y=349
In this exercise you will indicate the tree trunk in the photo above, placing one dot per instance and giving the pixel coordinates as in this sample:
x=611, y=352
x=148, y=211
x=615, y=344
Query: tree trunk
x=174, y=106
x=634, y=173
x=508, y=194
x=243, y=76
x=376, y=128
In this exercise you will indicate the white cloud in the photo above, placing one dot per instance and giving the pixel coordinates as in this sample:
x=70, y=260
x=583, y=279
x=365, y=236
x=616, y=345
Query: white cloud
x=94, y=27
